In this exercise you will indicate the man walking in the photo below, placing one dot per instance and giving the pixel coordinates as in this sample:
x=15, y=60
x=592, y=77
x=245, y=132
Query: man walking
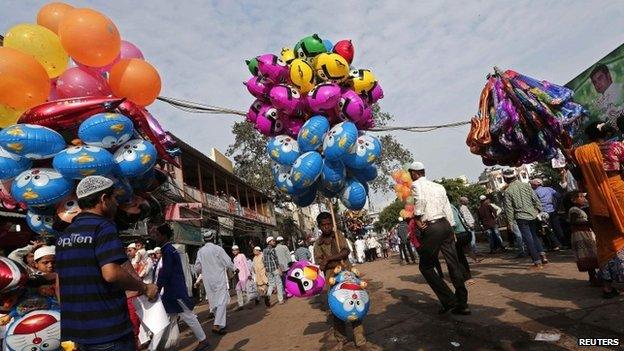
x=549, y=198
x=360, y=250
x=522, y=206
x=283, y=254
x=434, y=218
x=244, y=274
x=93, y=273
x=487, y=215
x=405, y=245
x=273, y=272
x=464, y=210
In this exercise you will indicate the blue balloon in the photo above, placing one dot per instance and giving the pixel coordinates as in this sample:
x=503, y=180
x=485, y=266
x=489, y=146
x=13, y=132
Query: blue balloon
x=365, y=152
x=135, y=157
x=11, y=165
x=40, y=222
x=77, y=162
x=312, y=132
x=306, y=170
x=364, y=175
x=283, y=181
x=339, y=140
x=333, y=176
x=283, y=149
x=353, y=195
x=106, y=130
x=123, y=189
x=40, y=187
x=307, y=198
x=328, y=45
x=31, y=141
x=348, y=301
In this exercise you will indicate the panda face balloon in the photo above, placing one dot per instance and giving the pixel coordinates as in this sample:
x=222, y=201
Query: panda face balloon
x=38, y=330
x=306, y=169
x=40, y=223
x=40, y=187
x=283, y=149
x=272, y=68
x=365, y=151
x=106, y=130
x=77, y=162
x=304, y=279
x=339, y=140
x=286, y=99
x=135, y=157
x=311, y=134
x=353, y=195
x=348, y=301
x=269, y=122
x=31, y=141
x=11, y=165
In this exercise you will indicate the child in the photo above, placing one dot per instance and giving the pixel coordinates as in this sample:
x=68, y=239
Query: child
x=582, y=238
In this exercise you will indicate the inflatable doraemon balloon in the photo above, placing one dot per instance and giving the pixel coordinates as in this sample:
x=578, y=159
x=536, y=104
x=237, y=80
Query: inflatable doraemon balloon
x=11, y=165
x=123, y=190
x=283, y=149
x=77, y=162
x=40, y=223
x=106, y=130
x=333, y=176
x=339, y=140
x=40, y=187
x=353, y=196
x=306, y=169
x=135, y=157
x=365, y=152
x=38, y=330
x=283, y=181
x=348, y=301
x=304, y=279
x=31, y=141
x=312, y=132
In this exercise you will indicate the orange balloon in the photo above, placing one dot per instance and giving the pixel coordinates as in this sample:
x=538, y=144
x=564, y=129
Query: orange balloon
x=89, y=37
x=50, y=15
x=24, y=82
x=136, y=80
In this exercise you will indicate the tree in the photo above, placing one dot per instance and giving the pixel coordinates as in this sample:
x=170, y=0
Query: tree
x=389, y=216
x=456, y=188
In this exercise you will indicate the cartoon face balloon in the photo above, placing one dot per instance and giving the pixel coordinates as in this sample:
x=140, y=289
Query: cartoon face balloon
x=375, y=94
x=68, y=208
x=351, y=107
x=36, y=331
x=286, y=99
x=363, y=81
x=293, y=126
x=348, y=301
x=106, y=130
x=269, y=122
x=259, y=87
x=366, y=174
x=331, y=67
x=31, y=141
x=353, y=196
x=40, y=223
x=272, y=68
x=254, y=110
x=312, y=132
x=304, y=279
x=365, y=151
x=302, y=75
x=40, y=187
x=77, y=162
x=12, y=275
x=283, y=149
x=339, y=140
x=287, y=55
x=135, y=157
x=324, y=97
x=11, y=165
x=309, y=47
x=345, y=49
x=333, y=176
x=306, y=169
x=306, y=198
x=281, y=175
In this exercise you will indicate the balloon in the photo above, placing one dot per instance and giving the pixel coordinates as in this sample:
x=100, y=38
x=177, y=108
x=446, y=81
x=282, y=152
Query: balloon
x=31, y=141
x=254, y=109
x=272, y=68
x=312, y=132
x=269, y=122
x=333, y=176
x=324, y=97
x=136, y=80
x=353, y=196
x=306, y=169
x=345, y=49
x=403, y=214
x=331, y=68
x=67, y=113
x=306, y=198
x=259, y=87
x=351, y=107
x=11, y=165
x=348, y=301
x=9, y=115
x=293, y=126
x=89, y=37
x=283, y=149
x=364, y=153
x=302, y=75
x=33, y=330
x=135, y=157
x=41, y=43
x=309, y=47
x=23, y=80
x=68, y=208
x=6, y=199
x=328, y=45
x=283, y=181
x=40, y=223
x=339, y=140
x=287, y=99
x=287, y=55
x=50, y=15
x=304, y=279
x=406, y=178
x=77, y=162
x=363, y=81
x=12, y=275
x=252, y=65
x=375, y=94
x=78, y=82
x=366, y=174
x=129, y=50
x=123, y=189
x=40, y=187
x=106, y=130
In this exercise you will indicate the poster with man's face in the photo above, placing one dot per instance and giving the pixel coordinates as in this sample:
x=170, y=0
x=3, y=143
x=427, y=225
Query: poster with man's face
x=600, y=88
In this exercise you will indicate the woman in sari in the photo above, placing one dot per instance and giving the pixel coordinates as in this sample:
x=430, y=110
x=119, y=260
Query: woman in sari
x=600, y=163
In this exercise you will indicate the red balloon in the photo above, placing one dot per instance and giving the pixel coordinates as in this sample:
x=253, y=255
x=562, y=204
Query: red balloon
x=68, y=113
x=12, y=275
x=345, y=49
x=76, y=81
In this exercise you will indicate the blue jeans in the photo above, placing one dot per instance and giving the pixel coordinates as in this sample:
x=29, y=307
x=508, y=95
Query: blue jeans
x=518, y=236
x=495, y=238
x=529, y=234
x=126, y=343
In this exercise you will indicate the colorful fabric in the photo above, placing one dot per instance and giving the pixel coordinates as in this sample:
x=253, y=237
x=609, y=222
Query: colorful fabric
x=521, y=202
x=612, y=155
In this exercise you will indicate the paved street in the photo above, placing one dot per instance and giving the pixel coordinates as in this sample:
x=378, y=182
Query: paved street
x=510, y=305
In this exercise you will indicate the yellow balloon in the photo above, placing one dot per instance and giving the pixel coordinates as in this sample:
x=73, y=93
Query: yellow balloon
x=302, y=75
x=288, y=55
x=41, y=43
x=9, y=115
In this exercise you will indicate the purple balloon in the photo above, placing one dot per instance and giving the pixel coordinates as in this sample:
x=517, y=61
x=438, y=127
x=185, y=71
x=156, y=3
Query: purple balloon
x=129, y=50
x=272, y=68
x=351, y=106
x=254, y=109
x=375, y=94
x=259, y=87
x=293, y=125
x=78, y=82
x=158, y=130
x=287, y=99
x=324, y=97
x=269, y=121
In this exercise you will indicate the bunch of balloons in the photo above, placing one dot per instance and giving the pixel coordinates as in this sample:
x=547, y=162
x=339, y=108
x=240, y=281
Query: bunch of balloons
x=316, y=109
x=522, y=120
x=403, y=189
x=356, y=220
x=347, y=298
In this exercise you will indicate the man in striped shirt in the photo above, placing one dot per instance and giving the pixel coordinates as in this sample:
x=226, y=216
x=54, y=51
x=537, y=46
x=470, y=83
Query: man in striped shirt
x=273, y=271
x=93, y=273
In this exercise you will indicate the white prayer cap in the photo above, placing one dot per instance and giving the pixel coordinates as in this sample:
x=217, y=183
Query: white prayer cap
x=400, y=219
x=157, y=249
x=257, y=248
x=235, y=247
x=44, y=251
x=91, y=185
x=416, y=166
x=279, y=238
x=150, y=252
x=132, y=246
x=269, y=239
x=208, y=233
x=482, y=197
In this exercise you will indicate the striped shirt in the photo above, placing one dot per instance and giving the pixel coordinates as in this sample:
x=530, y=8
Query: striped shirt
x=270, y=259
x=92, y=310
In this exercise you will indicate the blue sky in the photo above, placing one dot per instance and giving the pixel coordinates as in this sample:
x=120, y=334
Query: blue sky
x=431, y=57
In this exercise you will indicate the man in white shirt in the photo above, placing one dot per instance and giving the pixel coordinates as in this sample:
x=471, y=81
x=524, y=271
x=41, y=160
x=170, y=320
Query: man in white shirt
x=434, y=218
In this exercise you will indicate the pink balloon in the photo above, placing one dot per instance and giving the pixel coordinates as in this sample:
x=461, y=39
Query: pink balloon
x=77, y=82
x=129, y=50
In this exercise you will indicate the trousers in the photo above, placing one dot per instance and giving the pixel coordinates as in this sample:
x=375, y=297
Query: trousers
x=529, y=234
x=275, y=282
x=406, y=248
x=463, y=244
x=189, y=318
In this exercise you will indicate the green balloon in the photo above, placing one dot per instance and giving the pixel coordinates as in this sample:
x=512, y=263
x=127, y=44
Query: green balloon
x=309, y=47
x=252, y=65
